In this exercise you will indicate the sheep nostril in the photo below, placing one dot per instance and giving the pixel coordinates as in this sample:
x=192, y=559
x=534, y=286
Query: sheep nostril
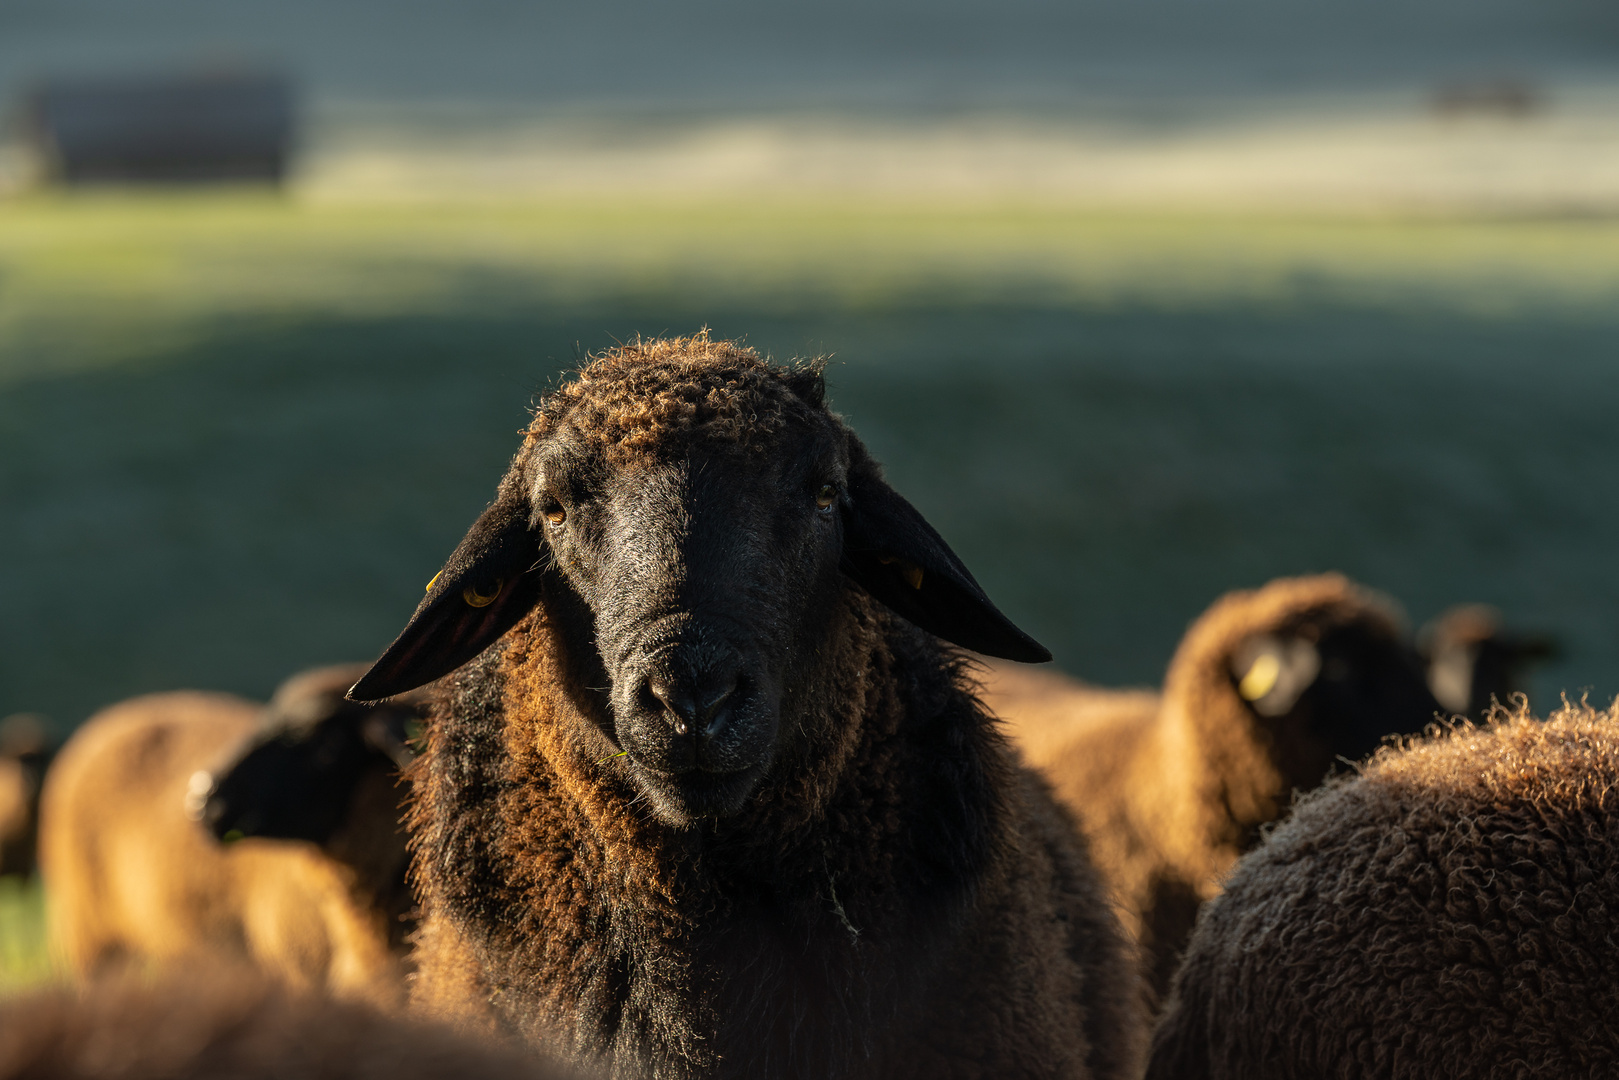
x=715, y=709
x=676, y=701
x=702, y=705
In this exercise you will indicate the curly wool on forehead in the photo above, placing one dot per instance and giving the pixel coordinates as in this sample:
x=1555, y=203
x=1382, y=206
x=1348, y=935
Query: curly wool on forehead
x=659, y=396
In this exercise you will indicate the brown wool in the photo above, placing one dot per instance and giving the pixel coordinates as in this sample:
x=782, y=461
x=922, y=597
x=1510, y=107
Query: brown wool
x=658, y=396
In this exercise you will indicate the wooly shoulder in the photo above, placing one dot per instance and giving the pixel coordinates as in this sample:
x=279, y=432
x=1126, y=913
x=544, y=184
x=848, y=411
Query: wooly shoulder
x=714, y=800
x=1453, y=911
x=1268, y=690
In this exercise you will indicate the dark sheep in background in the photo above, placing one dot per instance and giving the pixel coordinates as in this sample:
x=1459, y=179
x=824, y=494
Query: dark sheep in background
x=1451, y=912
x=233, y=1025
x=714, y=801
x=132, y=878
x=26, y=749
x=1473, y=661
x=325, y=769
x=1268, y=690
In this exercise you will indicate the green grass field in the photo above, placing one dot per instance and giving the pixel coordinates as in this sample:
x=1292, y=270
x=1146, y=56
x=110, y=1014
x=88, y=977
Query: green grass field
x=238, y=434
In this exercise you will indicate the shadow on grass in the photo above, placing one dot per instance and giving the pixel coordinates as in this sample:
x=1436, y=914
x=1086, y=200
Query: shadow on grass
x=277, y=495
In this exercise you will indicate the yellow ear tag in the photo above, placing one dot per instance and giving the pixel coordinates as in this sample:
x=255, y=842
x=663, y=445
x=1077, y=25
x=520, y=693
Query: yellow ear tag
x=909, y=571
x=1261, y=677
x=474, y=598
x=430, y=584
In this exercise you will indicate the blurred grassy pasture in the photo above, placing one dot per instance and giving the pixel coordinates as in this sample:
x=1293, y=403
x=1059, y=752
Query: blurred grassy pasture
x=24, y=958
x=238, y=433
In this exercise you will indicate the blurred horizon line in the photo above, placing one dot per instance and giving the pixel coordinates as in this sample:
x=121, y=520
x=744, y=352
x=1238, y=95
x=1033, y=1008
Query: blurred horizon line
x=1553, y=151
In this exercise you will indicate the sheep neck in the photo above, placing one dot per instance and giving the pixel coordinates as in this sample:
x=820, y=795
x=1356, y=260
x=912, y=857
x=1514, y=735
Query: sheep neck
x=597, y=925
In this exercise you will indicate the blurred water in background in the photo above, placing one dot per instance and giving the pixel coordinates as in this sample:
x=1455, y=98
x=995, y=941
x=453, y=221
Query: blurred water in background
x=1140, y=301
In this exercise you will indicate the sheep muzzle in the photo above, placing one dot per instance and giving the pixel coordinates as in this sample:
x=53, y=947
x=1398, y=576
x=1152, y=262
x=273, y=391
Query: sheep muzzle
x=700, y=726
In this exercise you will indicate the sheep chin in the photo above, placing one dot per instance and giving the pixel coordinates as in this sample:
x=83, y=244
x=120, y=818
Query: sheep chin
x=688, y=799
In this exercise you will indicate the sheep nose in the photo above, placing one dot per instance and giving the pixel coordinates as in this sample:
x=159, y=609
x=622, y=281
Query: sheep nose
x=700, y=704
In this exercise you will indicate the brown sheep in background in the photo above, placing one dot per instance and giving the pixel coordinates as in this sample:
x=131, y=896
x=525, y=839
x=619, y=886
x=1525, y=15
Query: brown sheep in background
x=715, y=801
x=131, y=878
x=1451, y=912
x=1267, y=691
x=26, y=749
x=233, y=1025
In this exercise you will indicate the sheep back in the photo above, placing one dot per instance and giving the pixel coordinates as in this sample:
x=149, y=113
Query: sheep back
x=1453, y=911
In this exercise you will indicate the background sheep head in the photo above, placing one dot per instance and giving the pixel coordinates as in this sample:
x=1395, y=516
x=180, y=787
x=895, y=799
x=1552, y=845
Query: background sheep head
x=690, y=516
x=296, y=777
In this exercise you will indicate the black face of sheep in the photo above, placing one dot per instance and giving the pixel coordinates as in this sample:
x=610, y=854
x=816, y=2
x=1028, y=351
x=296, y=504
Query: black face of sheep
x=1473, y=659
x=696, y=580
x=296, y=778
x=1331, y=694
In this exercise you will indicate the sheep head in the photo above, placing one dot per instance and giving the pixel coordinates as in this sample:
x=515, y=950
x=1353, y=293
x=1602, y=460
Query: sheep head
x=692, y=516
x=295, y=777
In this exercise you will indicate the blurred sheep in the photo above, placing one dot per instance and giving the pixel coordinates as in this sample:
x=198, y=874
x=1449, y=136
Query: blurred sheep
x=132, y=877
x=1267, y=692
x=234, y=1025
x=1473, y=660
x=26, y=749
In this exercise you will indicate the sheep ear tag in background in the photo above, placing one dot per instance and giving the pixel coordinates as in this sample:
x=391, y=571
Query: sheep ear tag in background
x=896, y=556
x=1272, y=673
x=491, y=581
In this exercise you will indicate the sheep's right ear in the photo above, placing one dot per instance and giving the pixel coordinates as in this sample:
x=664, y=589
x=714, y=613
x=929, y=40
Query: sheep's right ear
x=492, y=580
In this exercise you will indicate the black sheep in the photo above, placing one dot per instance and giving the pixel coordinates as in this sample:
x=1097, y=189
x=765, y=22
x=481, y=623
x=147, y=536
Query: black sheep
x=712, y=799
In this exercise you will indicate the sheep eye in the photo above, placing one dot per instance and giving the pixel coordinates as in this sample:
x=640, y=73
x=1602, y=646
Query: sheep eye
x=556, y=516
x=826, y=497
x=482, y=597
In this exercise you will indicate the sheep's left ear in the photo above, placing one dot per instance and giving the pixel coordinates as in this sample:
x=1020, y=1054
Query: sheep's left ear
x=891, y=550
x=491, y=581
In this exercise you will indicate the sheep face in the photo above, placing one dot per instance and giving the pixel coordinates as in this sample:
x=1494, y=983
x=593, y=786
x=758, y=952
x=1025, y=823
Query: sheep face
x=695, y=561
x=707, y=581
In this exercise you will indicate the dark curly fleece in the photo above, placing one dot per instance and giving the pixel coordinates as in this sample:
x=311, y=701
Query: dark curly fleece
x=1454, y=912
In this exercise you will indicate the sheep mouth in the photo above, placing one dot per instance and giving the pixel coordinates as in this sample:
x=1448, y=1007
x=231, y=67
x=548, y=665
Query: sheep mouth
x=696, y=794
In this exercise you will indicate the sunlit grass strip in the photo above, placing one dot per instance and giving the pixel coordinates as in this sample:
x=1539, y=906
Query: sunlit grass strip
x=88, y=279
x=25, y=958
